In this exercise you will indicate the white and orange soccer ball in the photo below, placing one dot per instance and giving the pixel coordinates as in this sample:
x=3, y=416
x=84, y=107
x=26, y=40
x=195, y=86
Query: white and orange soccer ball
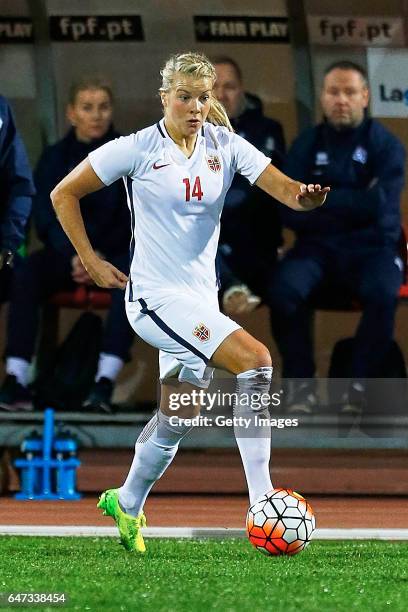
x=281, y=522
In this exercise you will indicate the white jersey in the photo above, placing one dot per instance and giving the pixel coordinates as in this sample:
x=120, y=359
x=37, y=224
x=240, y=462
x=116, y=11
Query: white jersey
x=175, y=202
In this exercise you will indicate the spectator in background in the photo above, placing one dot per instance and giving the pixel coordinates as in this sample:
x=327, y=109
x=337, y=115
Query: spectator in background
x=352, y=240
x=16, y=191
x=250, y=223
x=56, y=266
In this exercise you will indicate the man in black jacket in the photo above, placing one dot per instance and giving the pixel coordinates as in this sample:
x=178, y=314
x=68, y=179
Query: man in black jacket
x=56, y=266
x=352, y=240
x=250, y=222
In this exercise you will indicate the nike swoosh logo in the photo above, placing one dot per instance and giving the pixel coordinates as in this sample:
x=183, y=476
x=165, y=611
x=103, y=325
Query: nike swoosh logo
x=156, y=167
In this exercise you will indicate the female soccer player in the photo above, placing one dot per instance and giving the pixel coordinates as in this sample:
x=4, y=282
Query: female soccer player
x=177, y=173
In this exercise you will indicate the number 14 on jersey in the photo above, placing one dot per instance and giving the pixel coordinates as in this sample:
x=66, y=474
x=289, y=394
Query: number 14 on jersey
x=197, y=192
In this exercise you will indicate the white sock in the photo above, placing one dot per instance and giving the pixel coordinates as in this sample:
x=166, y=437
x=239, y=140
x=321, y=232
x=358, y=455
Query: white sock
x=109, y=366
x=20, y=368
x=155, y=449
x=254, y=442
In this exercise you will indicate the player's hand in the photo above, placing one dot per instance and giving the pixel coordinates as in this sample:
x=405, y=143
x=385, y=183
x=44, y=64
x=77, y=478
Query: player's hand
x=104, y=274
x=79, y=273
x=239, y=300
x=311, y=196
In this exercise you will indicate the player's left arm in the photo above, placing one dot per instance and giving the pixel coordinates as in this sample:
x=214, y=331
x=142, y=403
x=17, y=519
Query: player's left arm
x=293, y=194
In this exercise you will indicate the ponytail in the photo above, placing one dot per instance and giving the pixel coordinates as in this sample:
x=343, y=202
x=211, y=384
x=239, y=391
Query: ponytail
x=218, y=114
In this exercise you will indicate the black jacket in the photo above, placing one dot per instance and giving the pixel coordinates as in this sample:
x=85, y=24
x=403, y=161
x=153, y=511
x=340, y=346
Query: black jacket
x=364, y=167
x=16, y=184
x=251, y=227
x=106, y=215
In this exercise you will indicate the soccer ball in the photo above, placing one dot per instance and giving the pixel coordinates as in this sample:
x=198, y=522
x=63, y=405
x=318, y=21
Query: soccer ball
x=281, y=522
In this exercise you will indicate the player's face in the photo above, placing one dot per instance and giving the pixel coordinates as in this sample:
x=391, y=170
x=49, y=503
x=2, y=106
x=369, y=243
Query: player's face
x=228, y=89
x=344, y=97
x=91, y=114
x=187, y=104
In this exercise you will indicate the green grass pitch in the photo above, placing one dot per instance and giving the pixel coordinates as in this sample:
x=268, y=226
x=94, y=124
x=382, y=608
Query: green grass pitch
x=203, y=575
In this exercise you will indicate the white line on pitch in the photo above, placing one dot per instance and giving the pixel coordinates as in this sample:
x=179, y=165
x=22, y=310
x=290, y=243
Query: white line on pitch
x=194, y=532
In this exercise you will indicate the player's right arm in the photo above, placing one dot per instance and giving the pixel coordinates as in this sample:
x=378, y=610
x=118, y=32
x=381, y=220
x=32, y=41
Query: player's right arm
x=65, y=199
x=104, y=166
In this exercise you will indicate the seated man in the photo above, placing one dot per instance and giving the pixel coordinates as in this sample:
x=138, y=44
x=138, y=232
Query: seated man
x=250, y=223
x=352, y=240
x=56, y=266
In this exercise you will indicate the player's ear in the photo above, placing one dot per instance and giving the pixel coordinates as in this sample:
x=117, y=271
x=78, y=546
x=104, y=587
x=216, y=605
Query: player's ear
x=163, y=96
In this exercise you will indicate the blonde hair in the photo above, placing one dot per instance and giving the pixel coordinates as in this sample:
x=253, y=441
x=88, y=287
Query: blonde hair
x=198, y=66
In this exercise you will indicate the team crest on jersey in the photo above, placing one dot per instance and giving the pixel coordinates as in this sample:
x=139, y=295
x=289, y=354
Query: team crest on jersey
x=214, y=163
x=201, y=332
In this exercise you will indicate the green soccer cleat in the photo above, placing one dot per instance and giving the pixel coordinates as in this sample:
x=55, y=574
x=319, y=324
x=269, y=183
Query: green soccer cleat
x=129, y=526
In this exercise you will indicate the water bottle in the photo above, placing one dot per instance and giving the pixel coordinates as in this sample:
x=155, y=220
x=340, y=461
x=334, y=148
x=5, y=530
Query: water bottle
x=65, y=449
x=31, y=447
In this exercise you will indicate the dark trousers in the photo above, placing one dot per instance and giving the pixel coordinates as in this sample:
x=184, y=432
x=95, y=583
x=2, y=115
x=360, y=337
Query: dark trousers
x=251, y=269
x=372, y=275
x=39, y=276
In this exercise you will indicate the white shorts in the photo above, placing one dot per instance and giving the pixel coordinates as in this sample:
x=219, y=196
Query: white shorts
x=187, y=330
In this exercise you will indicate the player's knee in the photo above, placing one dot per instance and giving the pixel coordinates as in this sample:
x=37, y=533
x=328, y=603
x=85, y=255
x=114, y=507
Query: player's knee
x=263, y=358
x=258, y=357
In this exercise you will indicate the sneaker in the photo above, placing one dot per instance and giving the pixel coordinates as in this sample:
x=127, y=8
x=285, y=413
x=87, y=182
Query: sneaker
x=301, y=400
x=354, y=401
x=99, y=398
x=129, y=526
x=14, y=396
